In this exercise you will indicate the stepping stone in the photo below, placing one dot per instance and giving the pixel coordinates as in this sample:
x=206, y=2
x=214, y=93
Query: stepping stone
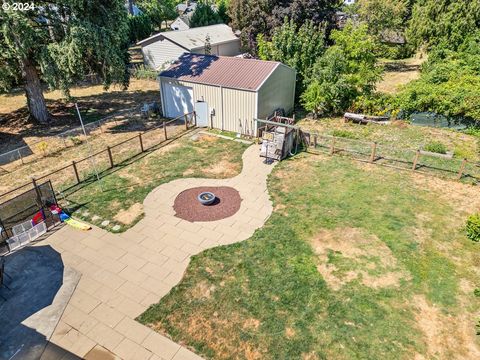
x=105, y=223
x=116, y=228
x=95, y=217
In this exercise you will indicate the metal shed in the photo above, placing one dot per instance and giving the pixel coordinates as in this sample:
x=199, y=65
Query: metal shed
x=227, y=93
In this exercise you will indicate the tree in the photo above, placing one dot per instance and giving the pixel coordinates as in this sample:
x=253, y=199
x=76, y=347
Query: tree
x=208, y=45
x=443, y=22
x=387, y=21
x=383, y=16
x=204, y=15
x=297, y=47
x=59, y=44
x=345, y=71
x=158, y=10
x=140, y=27
x=449, y=83
x=254, y=17
x=223, y=11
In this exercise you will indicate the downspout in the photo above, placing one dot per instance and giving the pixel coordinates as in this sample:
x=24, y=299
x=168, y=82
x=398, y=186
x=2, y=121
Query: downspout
x=221, y=101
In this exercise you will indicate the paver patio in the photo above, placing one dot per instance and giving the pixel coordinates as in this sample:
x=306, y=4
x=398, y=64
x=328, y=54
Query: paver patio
x=123, y=274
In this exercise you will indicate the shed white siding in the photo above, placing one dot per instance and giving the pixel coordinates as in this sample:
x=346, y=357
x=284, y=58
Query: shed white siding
x=239, y=106
x=161, y=53
x=278, y=91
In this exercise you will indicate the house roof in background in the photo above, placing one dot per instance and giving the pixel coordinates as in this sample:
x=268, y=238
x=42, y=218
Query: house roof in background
x=195, y=38
x=232, y=72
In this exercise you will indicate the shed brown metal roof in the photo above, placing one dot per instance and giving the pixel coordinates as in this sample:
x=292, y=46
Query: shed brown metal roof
x=232, y=72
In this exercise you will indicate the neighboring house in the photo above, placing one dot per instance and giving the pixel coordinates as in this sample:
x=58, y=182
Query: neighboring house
x=161, y=49
x=182, y=22
x=341, y=19
x=231, y=91
x=186, y=7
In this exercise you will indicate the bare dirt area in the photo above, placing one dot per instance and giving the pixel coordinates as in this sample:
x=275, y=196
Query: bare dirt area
x=129, y=215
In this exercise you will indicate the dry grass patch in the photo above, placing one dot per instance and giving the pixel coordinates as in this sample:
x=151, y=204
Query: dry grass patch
x=446, y=336
x=223, y=168
x=378, y=266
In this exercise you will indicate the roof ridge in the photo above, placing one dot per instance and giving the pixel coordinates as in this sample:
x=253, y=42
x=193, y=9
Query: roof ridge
x=235, y=58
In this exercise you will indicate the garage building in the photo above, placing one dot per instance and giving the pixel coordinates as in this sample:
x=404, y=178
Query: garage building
x=227, y=93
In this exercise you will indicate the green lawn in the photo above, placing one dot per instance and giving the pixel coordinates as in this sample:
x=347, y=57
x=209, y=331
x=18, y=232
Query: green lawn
x=356, y=262
x=118, y=196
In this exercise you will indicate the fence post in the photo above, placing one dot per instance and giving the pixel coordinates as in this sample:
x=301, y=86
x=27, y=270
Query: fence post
x=186, y=121
x=141, y=141
x=75, y=170
x=332, y=146
x=415, y=160
x=165, y=130
x=110, y=157
x=315, y=141
x=195, y=119
x=462, y=167
x=373, y=155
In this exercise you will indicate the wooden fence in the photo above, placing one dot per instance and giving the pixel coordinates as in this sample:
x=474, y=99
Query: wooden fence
x=87, y=168
x=418, y=160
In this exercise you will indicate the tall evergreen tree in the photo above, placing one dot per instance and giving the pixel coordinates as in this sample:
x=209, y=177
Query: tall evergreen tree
x=60, y=43
x=204, y=15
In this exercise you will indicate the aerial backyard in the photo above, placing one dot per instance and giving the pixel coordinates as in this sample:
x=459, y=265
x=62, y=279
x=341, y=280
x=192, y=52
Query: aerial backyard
x=300, y=181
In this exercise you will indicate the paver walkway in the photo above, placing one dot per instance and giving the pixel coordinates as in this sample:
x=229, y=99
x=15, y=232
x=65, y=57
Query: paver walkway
x=123, y=274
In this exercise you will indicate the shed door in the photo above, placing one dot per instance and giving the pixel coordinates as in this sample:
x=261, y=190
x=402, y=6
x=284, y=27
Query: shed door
x=178, y=100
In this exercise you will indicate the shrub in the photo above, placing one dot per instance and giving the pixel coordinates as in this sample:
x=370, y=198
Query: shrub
x=436, y=147
x=344, y=134
x=76, y=140
x=143, y=72
x=473, y=227
x=376, y=104
x=476, y=292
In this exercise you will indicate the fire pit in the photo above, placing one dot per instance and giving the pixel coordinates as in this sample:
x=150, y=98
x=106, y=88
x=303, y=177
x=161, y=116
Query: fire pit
x=192, y=204
x=206, y=198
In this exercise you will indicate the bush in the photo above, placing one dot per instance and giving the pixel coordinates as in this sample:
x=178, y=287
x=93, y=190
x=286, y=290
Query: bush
x=436, y=147
x=344, y=134
x=378, y=104
x=473, y=227
x=143, y=72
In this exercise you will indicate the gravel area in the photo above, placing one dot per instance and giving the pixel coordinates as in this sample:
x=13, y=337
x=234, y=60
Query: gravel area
x=188, y=207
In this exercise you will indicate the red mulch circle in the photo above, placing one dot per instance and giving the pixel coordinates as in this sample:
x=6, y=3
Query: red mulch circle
x=187, y=206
